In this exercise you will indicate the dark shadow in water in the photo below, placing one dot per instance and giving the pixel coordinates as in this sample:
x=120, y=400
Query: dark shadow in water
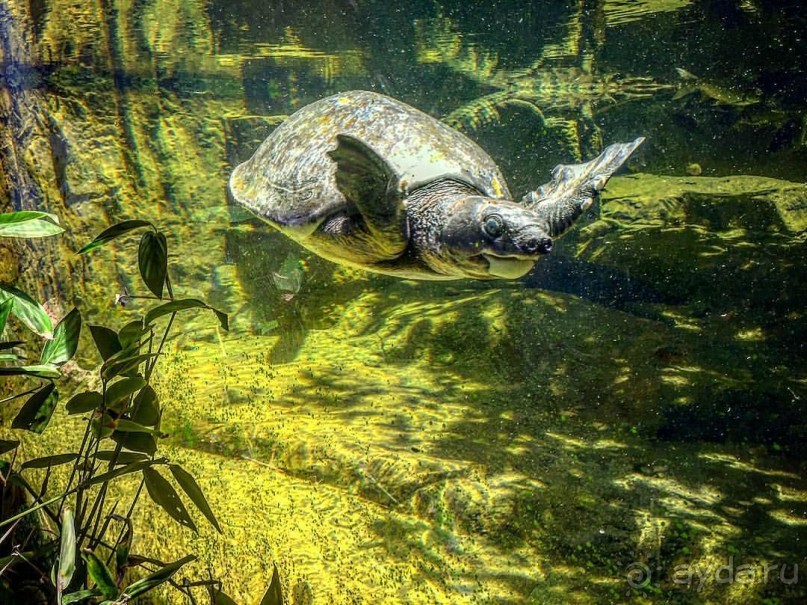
x=564, y=360
x=608, y=286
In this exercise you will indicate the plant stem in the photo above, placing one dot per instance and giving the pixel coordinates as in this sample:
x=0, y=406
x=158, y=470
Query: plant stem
x=128, y=517
x=96, y=535
x=75, y=467
x=18, y=395
x=150, y=368
x=27, y=486
x=98, y=503
x=34, y=508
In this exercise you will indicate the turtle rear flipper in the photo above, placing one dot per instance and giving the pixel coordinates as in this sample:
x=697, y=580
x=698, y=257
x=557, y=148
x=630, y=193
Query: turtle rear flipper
x=371, y=185
x=574, y=188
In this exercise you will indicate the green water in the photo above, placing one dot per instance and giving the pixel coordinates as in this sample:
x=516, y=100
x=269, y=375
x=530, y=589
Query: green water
x=623, y=425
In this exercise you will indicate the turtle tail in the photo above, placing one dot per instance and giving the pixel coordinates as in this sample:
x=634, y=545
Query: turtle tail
x=574, y=188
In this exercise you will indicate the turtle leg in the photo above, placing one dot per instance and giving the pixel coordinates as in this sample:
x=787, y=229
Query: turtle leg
x=369, y=183
x=574, y=188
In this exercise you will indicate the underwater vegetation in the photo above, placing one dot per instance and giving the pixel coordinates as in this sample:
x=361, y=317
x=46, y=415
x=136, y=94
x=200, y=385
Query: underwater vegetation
x=625, y=424
x=79, y=533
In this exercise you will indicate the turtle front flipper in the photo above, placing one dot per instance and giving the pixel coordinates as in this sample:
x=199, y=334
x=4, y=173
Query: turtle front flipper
x=574, y=188
x=372, y=186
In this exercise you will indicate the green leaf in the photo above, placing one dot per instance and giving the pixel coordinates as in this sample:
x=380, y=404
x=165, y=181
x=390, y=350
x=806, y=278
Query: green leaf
x=65, y=340
x=122, y=551
x=125, y=352
x=79, y=596
x=100, y=574
x=166, y=497
x=131, y=333
x=134, y=467
x=102, y=426
x=146, y=407
x=224, y=320
x=9, y=357
x=114, y=232
x=7, y=445
x=46, y=461
x=5, y=309
x=116, y=367
x=121, y=458
x=84, y=402
x=219, y=598
x=67, y=552
x=106, y=341
x=127, y=426
x=194, y=492
x=158, y=577
x=137, y=442
x=27, y=310
x=274, y=594
x=35, y=414
x=29, y=224
x=181, y=305
x=39, y=371
x=152, y=258
x=122, y=389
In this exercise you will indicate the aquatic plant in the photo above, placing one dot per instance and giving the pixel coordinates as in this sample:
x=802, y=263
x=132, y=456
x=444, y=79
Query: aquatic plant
x=77, y=533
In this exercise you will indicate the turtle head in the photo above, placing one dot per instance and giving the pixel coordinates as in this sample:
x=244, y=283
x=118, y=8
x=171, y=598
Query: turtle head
x=494, y=238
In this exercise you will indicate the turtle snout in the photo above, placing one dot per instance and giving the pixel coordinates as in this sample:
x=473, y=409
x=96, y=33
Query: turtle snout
x=538, y=245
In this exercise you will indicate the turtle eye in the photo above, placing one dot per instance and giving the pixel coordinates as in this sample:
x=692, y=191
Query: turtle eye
x=494, y=225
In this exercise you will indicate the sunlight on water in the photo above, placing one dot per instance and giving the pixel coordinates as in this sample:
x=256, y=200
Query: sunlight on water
x=620, y=12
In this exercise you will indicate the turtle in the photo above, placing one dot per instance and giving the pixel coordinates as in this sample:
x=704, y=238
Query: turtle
x=367, y=181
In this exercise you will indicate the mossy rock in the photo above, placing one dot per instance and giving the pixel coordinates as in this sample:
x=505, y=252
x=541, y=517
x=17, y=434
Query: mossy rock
x=729, y=245
x=758, y=204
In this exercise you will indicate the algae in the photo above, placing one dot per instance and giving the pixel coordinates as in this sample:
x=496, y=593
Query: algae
x=474, y=464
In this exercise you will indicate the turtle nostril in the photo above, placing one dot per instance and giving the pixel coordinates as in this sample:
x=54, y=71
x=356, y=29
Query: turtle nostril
x=541, y=245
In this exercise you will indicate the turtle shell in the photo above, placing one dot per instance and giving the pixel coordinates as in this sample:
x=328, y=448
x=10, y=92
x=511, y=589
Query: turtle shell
x=290, y=181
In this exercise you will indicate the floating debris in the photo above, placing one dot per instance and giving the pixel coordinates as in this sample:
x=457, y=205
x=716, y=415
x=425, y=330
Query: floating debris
x=289, y=277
